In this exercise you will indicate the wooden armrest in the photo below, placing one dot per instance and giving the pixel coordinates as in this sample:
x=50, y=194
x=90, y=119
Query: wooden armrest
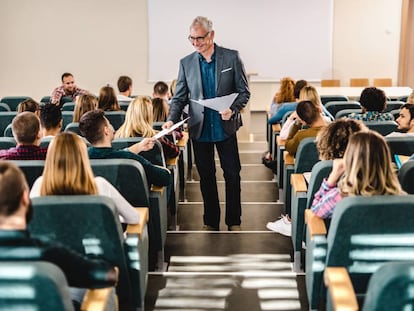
x=298, y=183
x=157, y=188
x=276, y=127
x=143, y=219
x=316, y=225
x=340, y=287
x=96, y=299
x=172, y=161
x=289, y=159
x=280, y=141
x=183, y=141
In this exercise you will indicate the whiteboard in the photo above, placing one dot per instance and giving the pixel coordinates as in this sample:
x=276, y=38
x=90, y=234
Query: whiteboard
x=275, y=38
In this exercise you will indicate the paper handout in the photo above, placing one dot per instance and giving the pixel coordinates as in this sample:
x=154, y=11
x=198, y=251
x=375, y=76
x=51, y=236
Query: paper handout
x=218, y=103
x=167, y=131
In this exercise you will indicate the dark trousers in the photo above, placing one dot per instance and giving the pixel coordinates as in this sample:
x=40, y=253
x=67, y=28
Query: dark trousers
x=228, y=152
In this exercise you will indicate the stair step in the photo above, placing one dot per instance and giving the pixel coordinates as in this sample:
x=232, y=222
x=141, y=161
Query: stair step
x=251, y=191
x=249, y=172
x=255, y=216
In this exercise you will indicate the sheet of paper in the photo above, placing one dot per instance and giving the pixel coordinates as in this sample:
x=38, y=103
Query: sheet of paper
x=167, y=131
x=218, y=103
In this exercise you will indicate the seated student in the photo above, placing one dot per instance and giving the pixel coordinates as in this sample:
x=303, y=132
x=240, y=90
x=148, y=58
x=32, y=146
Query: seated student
x=405, y=122
x=373, y=102
x=366, y=169
x=138, y=123
x=283, y=101
x=96, y=128
x=68, y=172
x=331, y=143
x=161, y=90
x=125, y=89
x=160, y=109
x=67, y=89
x=107, y=99
x=307, y=115
x=308, y=92
x=29, y=105
x=83, y=104
x=26, y=132
x=50, y=120
x=16, y=212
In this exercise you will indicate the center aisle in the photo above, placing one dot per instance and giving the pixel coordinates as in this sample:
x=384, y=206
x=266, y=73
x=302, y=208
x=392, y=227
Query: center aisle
x=246, y=270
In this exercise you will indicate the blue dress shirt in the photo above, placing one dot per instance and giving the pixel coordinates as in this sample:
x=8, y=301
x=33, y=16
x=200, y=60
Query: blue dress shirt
x=212, y=128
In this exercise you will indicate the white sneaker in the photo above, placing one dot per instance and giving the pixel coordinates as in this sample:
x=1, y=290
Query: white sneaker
x=282, y=226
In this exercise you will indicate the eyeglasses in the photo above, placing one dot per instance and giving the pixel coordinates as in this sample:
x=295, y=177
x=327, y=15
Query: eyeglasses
x=198, y=39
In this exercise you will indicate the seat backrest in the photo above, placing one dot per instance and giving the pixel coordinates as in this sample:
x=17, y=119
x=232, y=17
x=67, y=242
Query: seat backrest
x=406, y=177
x=155, y=155
x=401, y=145
x=4, y=107
x=378, y=82
x=73, y=127
x=127, y=175
x=89, y=224
x=306, y=156
x=33, y=285
x=69, y=106
x=116, y=118
x=368, y=231
x=67, y=117
x=382, y=127
x=8, y=131
x=45, y=99
x=335, y=106
x=332, y=98
x=14, y=101
x=7, y=142
x=6, y=118
x=393, y=105
x=390, y=288
x=320, y=171
x=359, y=82
x=346, y=112
x=330, y=82
x=124, y=104
x=32, y=169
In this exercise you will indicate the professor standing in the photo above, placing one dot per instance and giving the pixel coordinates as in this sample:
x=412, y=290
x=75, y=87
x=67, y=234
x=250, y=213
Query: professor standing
x=212, y=71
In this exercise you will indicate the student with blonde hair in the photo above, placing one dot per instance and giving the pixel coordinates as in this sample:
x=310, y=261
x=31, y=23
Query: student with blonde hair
x=366, y=170
x=68, y=172
x=83, y=104
x=138, y=123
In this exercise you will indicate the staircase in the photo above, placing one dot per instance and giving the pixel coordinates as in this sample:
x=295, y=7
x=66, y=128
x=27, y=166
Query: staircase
x=247, y=270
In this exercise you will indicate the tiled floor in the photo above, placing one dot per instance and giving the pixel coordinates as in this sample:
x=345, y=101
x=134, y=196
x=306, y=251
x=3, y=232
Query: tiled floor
x=247, y=270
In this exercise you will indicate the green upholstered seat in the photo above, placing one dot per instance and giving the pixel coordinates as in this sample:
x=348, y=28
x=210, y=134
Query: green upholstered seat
x=14, y=101
x=364, y=233
x=33, y=285
x=306, y=157
x=89, y=224
x=128, y=176
x=302, y=201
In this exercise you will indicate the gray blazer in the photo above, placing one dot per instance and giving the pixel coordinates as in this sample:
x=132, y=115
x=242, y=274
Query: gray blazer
x=230, y=78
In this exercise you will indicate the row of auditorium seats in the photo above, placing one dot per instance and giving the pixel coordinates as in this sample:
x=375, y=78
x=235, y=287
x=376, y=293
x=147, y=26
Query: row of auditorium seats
x=360, y=247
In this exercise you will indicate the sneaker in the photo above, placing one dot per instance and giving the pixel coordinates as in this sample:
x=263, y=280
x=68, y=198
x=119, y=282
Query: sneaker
x=282, y=226
x=209, y=228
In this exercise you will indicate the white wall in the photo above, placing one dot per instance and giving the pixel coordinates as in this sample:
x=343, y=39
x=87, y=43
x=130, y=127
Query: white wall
x=98, y=40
